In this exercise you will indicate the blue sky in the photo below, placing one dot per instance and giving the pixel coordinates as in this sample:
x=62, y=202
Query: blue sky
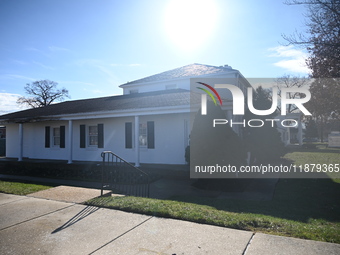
x=92, y=47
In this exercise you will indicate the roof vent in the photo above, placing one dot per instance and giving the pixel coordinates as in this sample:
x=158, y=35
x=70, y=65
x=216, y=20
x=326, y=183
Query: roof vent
x=227, y=66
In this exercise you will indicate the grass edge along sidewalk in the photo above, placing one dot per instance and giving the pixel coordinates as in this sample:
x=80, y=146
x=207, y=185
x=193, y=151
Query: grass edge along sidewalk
x=20, y=187
x=313, y=229
x=301, y=208
x=223, y=212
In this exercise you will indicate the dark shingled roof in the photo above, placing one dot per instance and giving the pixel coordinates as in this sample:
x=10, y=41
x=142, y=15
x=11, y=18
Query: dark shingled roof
x=164, y=98
x=184, y=71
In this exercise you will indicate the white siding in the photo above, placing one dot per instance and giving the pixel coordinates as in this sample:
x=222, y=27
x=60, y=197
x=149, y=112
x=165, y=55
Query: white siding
x=169, y=140
x=157, y=86
x=12, y=140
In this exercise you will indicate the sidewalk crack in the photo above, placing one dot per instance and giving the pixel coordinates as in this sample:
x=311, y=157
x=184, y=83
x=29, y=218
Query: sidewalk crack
x=36, y=217
x=248, y=244
x=114, y=239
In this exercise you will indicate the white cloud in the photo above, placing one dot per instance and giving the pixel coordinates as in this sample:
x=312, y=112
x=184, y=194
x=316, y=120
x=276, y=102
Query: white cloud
x=8, y=103
x=293, y=60
x=18, y=62
x=37, y=50
x=100, y=65
x=93, y=91
x=43, y=66
x=32, y=49
x=76, y=83
x=128, y=65
x=87, y=61
x=16, y=76
x=54, y=48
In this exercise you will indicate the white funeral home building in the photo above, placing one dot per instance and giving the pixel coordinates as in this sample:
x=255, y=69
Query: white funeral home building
x=149, y=123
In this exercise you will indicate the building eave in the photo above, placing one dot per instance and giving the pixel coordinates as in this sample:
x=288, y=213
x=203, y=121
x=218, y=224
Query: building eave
x=104, y=114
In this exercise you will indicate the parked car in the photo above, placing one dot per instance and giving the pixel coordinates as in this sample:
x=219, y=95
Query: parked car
x=309, y=142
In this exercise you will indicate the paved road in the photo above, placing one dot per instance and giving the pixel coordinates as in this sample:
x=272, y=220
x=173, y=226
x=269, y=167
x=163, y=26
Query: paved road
x=30, y=225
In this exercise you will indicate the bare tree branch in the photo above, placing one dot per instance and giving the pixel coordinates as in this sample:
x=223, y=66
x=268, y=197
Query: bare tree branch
x=288, y=81
x=42, y=93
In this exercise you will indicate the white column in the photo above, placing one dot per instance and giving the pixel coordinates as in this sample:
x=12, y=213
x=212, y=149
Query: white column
x=300, y=131
x=288, y=136
x=137, y=141
x=70, y=141
x=21, y=141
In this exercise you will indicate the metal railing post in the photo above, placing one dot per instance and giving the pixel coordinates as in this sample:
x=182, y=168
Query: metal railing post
x=103, y=166
x=124, y=177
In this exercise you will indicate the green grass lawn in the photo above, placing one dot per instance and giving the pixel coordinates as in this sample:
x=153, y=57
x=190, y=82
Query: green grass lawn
x=302, y=208
x=321, y=155
x=20, y=188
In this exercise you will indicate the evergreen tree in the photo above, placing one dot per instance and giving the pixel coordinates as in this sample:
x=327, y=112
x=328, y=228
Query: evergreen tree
x=264, y=142
x=311, y=129
x=214, y=145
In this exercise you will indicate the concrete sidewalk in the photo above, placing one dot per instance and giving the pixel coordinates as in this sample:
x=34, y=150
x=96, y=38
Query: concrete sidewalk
x=69, y=194
x=31, y=225
x=164, y=188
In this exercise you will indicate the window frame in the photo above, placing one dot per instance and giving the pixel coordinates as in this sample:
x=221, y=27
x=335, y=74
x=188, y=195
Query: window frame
x=148, y=133
x=89, y=136
x=170, y=86
x=53, y=137
x=144, y=134
x=133, y=91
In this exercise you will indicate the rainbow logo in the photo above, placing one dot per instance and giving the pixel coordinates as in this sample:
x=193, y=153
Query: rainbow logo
x=210, y=94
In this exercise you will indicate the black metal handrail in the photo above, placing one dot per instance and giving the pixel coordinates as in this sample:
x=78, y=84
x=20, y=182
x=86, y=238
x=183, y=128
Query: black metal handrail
x=122, y=177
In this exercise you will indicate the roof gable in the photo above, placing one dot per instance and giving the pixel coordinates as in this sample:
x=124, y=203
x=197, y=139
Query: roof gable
x=192, y=70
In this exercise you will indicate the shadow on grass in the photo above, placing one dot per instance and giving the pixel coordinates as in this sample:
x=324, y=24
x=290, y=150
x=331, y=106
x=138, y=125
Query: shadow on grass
x=294, y=199
x=318, y=149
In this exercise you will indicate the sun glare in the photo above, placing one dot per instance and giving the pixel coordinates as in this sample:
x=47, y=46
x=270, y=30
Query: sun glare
x=189, y=23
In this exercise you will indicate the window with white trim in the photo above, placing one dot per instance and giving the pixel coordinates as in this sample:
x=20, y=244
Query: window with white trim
x=146, y=137
x=143, y=135
x=133, y=91
x=171, y=86
x=93, y=135
x=56, y=136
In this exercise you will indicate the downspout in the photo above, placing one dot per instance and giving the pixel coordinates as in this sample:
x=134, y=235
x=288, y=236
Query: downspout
x=137, y=141
x=21, y=141
x=70, y=141
x=300, y=130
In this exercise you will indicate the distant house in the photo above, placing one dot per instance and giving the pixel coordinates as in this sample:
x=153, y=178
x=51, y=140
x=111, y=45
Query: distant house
x=149, y=123
x=293, y=134
x=334, y=139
